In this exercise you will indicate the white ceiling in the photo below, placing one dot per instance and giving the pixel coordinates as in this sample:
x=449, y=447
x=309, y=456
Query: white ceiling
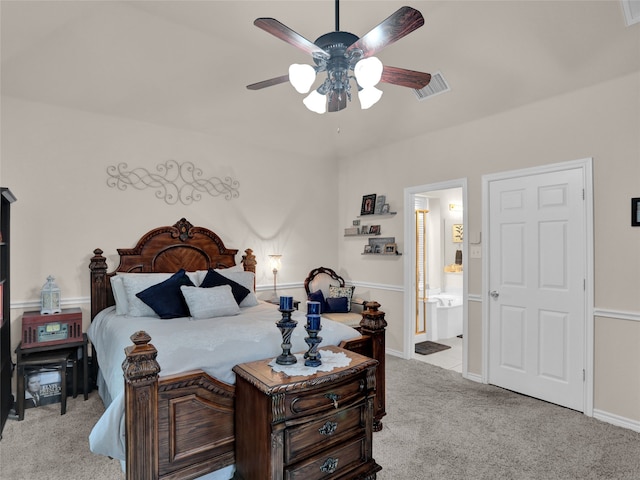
x=185, y=64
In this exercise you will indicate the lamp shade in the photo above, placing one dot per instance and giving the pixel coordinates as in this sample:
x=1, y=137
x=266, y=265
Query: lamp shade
x=316, y=102
x=369, y=97
x=275, y=262
x=368, y=72
x=301, y=77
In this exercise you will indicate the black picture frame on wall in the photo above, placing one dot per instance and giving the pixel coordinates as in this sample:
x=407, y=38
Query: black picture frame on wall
x=368, y=204
x=635, y=212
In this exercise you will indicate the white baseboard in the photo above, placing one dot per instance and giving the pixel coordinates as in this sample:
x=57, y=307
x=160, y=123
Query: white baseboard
x=474, y=377
x=395, y=353
x=617, y=420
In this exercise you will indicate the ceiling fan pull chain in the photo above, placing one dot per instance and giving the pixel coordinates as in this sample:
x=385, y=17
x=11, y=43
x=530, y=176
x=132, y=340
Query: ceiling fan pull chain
x=337, y=15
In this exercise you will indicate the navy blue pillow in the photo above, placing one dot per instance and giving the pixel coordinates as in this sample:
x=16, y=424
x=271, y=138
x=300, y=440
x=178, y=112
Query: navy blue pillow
x=318, y=296
x=165, y=298
x=337, y=305
x=215, y=279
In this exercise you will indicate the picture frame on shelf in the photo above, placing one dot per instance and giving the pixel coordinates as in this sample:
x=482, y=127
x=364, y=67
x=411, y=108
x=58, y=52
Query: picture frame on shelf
x=390, y=248
x=635, y=212
x=368, y=204
x=374, y=230
x=385, y=209
x=364, y=230
x=368, y=249
x=351, y=231
x=380, y=201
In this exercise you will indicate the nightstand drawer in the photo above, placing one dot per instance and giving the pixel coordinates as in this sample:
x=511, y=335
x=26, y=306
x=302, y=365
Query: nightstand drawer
x=301, y=441
x=330, y=397
x=331, y=463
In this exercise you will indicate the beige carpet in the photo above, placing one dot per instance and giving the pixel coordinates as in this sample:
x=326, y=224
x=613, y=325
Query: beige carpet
x=50, y=446
x=438, y=426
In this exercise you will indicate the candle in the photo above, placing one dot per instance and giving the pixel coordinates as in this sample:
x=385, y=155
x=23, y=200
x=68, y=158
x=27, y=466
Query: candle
x=313, y=308
x=286, y=303
x=313, y=322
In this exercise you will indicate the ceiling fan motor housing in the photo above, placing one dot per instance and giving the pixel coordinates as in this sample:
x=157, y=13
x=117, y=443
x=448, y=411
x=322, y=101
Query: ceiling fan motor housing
x=338, y=64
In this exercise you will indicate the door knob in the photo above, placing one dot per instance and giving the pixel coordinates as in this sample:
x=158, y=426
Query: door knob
x=494, y=293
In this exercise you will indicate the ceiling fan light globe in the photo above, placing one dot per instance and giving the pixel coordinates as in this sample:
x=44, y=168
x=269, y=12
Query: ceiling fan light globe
x=316, y=102
x=369, y=97
x=301, y=77
x=368, y=72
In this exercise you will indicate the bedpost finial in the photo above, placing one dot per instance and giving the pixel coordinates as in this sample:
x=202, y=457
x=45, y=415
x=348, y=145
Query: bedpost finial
x=140, y=338
x=249, y=261
x=372, y=318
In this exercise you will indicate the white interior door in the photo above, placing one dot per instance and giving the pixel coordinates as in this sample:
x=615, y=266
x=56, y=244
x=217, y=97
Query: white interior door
x=537, y=271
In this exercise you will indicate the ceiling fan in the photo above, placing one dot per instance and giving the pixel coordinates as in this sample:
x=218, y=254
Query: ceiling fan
x=346, y=57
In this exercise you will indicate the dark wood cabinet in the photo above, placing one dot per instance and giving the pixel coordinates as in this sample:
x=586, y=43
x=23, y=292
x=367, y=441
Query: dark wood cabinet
x=6, y=365
x=305, y=427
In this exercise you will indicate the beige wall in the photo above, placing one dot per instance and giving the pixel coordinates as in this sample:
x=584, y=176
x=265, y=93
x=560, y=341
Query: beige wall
x=602, y=122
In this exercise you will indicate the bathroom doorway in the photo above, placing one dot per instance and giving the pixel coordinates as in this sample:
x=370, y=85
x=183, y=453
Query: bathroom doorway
x=435, y=293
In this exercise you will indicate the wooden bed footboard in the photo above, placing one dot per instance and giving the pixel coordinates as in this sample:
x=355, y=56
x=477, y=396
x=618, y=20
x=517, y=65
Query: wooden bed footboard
x=182, y=426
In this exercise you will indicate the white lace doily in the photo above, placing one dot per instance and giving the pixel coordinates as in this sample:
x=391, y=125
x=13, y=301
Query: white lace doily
x=329, y=359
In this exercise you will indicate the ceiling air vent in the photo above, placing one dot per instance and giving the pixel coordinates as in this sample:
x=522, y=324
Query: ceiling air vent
x=436, y=86
x=631, y=11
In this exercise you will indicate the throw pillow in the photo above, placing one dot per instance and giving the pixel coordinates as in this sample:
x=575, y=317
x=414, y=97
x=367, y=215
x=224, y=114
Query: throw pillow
x=337, y=305
x=210, y=302
x=336, y=292
x=215, y=279
x=166, y=298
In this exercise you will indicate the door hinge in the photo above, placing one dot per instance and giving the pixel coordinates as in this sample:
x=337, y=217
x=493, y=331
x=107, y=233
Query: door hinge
x=583, y=193
x=584, y=375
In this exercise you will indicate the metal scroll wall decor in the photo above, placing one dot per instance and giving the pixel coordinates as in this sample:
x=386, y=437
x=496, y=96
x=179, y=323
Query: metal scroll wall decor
x=173, y=182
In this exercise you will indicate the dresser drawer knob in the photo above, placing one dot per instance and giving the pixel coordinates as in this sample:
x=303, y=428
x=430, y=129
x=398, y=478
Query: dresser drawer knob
x=328, y=428
x=334, y=398
x=330, y=465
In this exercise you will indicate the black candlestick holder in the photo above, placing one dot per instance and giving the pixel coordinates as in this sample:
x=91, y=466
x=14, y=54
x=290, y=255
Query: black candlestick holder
x=312, y=355
x=286, y=325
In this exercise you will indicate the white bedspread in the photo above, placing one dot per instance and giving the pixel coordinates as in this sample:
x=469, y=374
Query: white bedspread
x=214, y=345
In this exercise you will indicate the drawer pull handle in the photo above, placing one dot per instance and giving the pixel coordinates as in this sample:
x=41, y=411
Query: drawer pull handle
x=330, y=465
x=328, y=428
x=334, y=398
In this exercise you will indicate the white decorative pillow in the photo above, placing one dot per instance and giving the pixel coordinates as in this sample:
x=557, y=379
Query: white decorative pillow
x=210, y=302
x=136, y=283
x=119, y=295
x=337, y=292
x=247, y=280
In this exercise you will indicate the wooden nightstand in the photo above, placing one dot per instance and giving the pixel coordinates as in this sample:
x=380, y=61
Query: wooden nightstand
x=305, y=427
x=41, y=348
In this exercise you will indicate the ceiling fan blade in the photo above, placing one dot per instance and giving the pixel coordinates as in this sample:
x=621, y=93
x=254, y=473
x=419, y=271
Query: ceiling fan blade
x=405, y=78
x=277, y=29
x=268, y=83
x=337, y=102
x=401, y=23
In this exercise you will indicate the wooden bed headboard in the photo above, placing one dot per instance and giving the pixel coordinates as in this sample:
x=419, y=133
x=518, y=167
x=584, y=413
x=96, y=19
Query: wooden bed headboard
x=164, y=250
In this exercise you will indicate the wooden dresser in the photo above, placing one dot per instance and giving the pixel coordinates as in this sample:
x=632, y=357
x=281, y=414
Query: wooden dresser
x=305, y=427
